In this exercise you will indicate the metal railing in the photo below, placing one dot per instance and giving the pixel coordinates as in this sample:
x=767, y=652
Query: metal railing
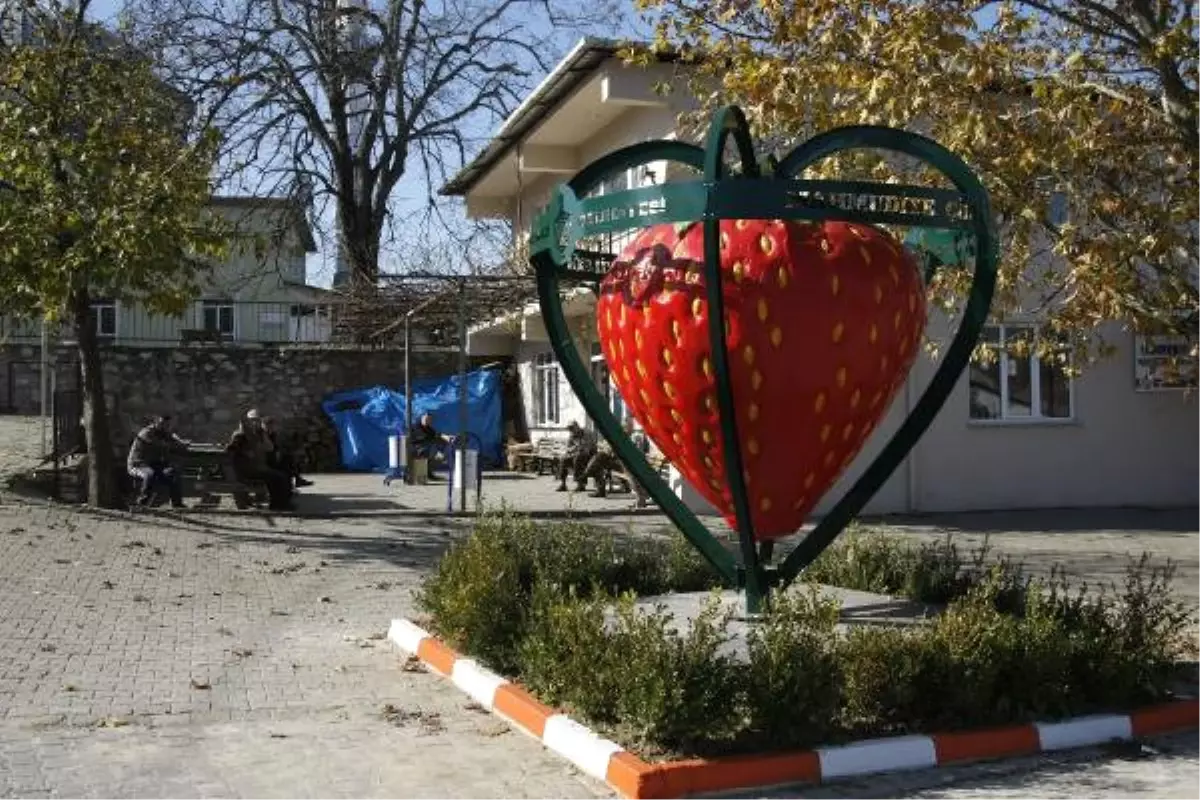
x=208, y=323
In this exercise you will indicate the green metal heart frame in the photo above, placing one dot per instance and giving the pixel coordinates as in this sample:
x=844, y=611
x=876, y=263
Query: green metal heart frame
x=758, y=193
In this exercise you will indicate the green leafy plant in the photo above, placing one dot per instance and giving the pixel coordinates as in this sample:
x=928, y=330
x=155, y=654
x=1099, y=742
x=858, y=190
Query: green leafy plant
x=797, y=687
x=556, y=606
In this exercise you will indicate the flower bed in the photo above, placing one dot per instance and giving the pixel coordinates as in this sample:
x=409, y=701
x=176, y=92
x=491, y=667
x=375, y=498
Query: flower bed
x=535, y=602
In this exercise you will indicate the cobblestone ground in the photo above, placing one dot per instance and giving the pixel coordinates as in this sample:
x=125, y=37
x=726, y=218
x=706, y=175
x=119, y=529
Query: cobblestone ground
x=225, y=654
x=20, y=444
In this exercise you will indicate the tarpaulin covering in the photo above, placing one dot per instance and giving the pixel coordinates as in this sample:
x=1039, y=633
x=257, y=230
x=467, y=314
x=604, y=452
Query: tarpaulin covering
x=365, y=418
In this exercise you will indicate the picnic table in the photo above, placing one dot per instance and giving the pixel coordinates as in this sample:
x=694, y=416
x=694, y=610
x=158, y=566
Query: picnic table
x=206, y=470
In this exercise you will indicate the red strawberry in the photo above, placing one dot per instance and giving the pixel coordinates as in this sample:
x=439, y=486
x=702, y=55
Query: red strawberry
x=823, y=322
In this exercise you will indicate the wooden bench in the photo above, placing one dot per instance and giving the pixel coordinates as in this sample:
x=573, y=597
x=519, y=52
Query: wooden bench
x=244, y=493
x=547, y=454
x=619, y=480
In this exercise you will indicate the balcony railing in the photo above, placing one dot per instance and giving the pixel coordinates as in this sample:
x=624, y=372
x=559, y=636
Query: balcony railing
x=208, y=323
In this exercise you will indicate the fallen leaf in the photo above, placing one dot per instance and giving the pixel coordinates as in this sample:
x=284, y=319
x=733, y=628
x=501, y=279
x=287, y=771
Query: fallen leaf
x=112, y=722
x=200, y=684
x=242, y=652
x=69, y=687
x=375, y=637
x=324, y=599
x=413, y=664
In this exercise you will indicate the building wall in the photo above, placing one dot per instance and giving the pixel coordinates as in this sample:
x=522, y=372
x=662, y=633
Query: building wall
x=1122, y=448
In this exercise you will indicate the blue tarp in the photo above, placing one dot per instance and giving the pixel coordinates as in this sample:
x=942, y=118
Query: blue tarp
x=365, y=418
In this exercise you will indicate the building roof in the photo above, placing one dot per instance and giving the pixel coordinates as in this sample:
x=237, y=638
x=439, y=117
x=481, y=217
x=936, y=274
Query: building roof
x=570, y=73
x=286, y=205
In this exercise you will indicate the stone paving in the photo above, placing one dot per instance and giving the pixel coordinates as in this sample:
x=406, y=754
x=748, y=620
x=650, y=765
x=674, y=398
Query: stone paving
x=228, y=654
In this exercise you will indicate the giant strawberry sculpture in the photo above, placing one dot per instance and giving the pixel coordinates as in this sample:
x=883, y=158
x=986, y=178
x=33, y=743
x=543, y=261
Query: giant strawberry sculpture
x=823, y=321
x=823, y=315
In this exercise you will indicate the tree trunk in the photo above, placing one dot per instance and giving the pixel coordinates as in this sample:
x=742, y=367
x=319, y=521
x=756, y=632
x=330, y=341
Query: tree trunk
x=101, y=487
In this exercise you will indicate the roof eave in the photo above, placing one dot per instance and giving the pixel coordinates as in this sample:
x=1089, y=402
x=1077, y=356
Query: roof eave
x=565, y=78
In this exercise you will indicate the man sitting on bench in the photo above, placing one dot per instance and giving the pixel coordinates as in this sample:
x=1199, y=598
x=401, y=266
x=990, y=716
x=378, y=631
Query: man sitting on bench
x=427, y=442
x=605, y=462
x=149, y=461
x=249, y=448
x=279, y=457
x=581, y=446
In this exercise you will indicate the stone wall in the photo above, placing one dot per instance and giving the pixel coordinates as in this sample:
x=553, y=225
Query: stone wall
x=207, y=389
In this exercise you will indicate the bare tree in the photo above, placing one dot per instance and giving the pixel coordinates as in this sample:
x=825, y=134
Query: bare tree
x=341, y=99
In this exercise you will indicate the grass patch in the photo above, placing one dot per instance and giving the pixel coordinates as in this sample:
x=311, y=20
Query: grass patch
x=553, y=606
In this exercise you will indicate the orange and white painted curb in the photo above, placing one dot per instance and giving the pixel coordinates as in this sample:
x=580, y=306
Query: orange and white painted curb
x=634, y=778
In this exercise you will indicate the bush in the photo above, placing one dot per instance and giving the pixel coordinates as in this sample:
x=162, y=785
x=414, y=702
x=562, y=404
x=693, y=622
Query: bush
x=632, y=668
x=1063, y=652
x=927, y=572
x=478, y=596
x=555, y=606
x=796, y=684
x=481, y=591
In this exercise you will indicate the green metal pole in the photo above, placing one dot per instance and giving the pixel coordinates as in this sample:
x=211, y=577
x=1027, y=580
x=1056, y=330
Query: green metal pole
x=729, y=121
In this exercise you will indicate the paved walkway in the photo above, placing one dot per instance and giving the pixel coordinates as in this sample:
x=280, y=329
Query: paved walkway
x=226, y=654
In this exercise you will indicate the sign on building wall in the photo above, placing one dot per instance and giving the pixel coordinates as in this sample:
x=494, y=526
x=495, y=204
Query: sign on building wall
x=1164, y=363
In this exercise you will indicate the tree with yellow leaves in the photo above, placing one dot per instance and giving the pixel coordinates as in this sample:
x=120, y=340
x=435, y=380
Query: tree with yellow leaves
x=1084, y=106
x=103, y=193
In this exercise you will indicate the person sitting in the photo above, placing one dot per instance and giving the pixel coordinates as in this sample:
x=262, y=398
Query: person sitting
x=279, y=457
x=149, y=461
x=426, y=442
x=248, y=449
x=581, y=446
x=605, y=462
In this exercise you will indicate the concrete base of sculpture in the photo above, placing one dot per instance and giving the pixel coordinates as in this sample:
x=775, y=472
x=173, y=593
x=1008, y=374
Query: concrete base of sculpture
x=858, y=608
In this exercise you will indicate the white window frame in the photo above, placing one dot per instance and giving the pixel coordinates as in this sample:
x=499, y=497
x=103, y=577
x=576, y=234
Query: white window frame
x=1035, y=416
x=547, y=387
x=97, y=307
x=612, y=394
x=218, y=305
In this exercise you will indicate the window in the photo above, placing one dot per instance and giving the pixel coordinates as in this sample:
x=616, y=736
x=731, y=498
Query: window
x=218, y=317
x=1058, y=211
x=602, y=376
x=1017, y=384
x=105, y=314
x=545, y=390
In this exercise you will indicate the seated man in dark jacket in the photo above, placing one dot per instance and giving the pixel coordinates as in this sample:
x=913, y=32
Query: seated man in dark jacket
x=581, y=446
x=605, y=461
x=426, y=442
x=249, y=449
x=149, y=461
x=279, y=457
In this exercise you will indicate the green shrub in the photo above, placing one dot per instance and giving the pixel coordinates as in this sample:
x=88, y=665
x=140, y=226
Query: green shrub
x=794, y=681
x=566, y=656
x=927, y=572
x=478, y=596
x=615, y=663
x=555, y=605
x=679, y=689
x=480, y=593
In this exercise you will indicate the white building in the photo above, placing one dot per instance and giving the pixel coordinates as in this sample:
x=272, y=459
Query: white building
x=1016, y=434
